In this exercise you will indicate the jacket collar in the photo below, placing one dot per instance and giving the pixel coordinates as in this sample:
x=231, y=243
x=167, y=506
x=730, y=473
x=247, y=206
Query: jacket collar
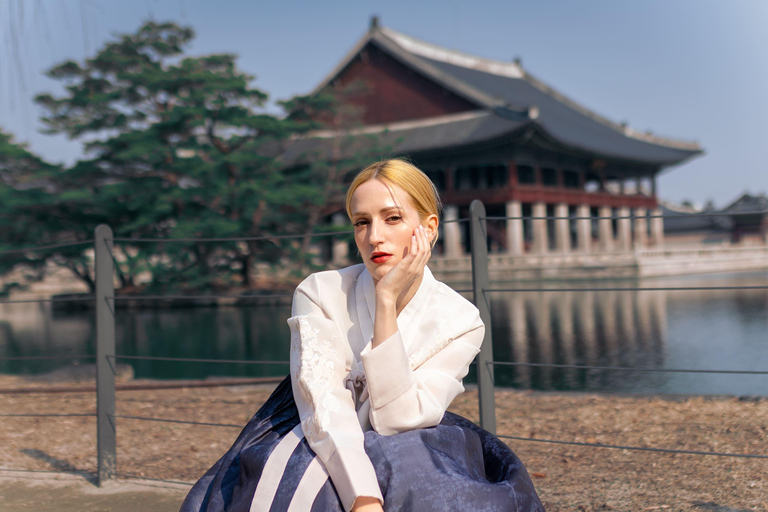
x=409, y=318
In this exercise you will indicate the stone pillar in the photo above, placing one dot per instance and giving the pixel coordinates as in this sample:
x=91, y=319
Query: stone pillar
x=562, y=229
x=451, y=232
x=605, y=228
x=539, y=223
x=514, y=228
x=625, y=230
x=657, y=228
x=340, y=248
x=584, y=228
x=641, y=228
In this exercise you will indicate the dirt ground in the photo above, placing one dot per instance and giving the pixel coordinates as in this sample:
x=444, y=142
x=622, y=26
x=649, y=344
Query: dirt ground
x=20, y=492
x=567, y=477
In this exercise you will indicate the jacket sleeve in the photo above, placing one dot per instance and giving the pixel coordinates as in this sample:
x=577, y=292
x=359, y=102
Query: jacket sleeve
x=326, y=407
x=403, y=398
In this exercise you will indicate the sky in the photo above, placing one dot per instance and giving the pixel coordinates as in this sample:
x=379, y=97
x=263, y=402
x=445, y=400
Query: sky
x=686, y=69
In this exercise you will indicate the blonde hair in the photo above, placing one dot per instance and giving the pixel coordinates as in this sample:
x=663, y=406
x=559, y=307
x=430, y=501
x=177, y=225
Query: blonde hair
x=408, y=177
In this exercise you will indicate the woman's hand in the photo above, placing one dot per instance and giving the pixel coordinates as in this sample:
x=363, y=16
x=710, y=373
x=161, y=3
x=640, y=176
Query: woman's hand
x=389, y=290
x=407, y=270
x=367, y=504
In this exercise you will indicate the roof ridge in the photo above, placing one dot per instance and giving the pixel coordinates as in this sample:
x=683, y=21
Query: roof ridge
x=620, y=127
x=515, y=70
x=437, y=52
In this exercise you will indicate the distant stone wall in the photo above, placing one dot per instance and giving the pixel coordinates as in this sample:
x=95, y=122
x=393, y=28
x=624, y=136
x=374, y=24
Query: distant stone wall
x=672, y=261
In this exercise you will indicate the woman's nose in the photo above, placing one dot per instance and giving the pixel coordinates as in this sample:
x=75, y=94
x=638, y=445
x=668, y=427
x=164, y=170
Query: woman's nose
x=375, y=233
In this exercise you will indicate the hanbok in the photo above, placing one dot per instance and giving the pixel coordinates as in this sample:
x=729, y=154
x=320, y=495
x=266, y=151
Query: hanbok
x=352, y=420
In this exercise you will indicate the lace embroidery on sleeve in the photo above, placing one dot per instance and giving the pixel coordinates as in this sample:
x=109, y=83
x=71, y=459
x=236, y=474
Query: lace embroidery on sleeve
x=443, y=338
x=315, y=374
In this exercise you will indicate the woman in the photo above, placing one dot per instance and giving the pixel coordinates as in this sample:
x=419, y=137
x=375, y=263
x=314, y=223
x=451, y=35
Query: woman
x=378, y=352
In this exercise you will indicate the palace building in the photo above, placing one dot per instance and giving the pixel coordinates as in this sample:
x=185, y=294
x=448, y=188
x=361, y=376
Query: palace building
x=488, y=130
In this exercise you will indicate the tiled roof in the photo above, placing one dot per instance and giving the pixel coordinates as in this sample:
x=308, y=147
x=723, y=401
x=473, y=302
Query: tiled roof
x=491, y=84
x=748, y=203
x=437, y=133
x=680, y=221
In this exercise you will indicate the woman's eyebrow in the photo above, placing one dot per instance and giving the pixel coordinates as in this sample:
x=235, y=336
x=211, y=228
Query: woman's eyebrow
x=385, y=209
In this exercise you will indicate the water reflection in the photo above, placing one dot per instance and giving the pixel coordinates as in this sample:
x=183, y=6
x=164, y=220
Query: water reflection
x=593, y=328
x=714, y=329
x=245, y=333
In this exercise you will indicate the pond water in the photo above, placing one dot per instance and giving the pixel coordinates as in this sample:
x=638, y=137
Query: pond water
x=713, y=329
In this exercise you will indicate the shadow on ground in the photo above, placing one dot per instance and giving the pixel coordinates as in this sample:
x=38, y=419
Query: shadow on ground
x=714, y=507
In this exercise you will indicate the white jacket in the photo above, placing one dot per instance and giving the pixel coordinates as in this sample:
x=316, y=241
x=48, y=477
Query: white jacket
x=342, y=387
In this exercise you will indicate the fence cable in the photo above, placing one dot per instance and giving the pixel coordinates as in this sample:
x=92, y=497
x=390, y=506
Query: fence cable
x=139, y=477
x=629, y=289
x=626, y=368
x=46, y=247
x=36, y=358
x=68, y=471
x=46, y=415
x=53, y=299
x=164, y=420
x=637, y=448
x=229, y=239
x=196, y=360
x=202, y=297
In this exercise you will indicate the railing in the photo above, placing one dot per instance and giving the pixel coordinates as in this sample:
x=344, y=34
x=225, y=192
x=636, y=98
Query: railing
x=106, y=357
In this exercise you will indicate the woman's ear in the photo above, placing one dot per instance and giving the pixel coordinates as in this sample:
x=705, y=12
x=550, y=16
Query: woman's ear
x=431, y=224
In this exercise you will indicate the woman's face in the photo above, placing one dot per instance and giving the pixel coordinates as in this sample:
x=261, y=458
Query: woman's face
x=384, y=219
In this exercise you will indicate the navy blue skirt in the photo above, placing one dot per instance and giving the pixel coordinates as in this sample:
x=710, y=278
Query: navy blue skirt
x=455, y=465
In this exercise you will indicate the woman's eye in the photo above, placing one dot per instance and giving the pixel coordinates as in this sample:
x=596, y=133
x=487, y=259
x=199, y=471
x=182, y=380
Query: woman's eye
x=360, y=223
x=394, y=218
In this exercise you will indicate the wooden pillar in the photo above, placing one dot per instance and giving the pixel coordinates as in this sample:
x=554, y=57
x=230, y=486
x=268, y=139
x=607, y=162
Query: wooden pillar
x=512, y=174
x=450, y=184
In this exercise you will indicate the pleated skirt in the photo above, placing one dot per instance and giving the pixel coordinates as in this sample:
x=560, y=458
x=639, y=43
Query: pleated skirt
x=454, y=466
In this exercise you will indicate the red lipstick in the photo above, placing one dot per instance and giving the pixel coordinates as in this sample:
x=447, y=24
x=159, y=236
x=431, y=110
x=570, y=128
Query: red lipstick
x=380, y=257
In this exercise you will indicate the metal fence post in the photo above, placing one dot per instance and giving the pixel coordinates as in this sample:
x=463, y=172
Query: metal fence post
x=105, y=351
x=478, y=236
